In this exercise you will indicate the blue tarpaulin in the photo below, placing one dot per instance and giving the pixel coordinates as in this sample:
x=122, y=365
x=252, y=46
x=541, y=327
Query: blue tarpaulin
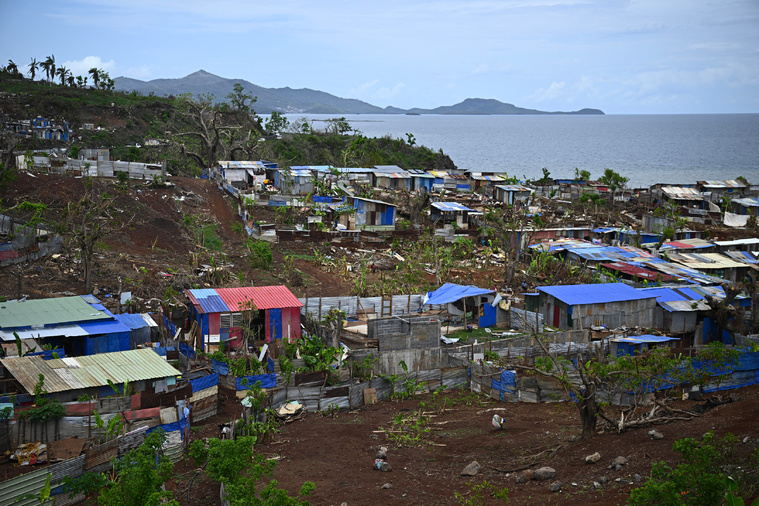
x=219, y=367
x=204, y=382
x=506, y=383
x=48, y=354
x=270, y=361
x=267, y=381
x=170, y=427
x=186, y=350
x=451, y=292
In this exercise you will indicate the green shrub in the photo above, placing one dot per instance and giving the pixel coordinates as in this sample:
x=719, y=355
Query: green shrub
x=701, y=476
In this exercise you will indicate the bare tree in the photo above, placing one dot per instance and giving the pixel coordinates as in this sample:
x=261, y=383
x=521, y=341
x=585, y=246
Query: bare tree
x=205, y=133
x=88, y=221
x=511, y=228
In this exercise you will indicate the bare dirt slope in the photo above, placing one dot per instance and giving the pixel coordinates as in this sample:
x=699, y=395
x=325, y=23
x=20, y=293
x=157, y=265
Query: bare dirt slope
x=158, y=250
x=337, y=453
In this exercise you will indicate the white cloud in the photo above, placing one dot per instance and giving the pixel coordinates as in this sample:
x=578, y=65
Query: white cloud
x=551, y=93
x=482, y=68
x=82, y=67
x=386, y=93
x=363, y=88
x=142, y=73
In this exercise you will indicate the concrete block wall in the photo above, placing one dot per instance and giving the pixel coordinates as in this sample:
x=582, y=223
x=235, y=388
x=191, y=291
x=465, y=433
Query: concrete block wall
x=405, y=333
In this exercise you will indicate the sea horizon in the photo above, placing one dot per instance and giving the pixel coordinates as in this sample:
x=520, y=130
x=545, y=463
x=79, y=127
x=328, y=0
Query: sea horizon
x=647, y=148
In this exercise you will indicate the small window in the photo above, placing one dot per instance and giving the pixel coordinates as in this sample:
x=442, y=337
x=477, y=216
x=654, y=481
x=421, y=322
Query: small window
x=226, y=320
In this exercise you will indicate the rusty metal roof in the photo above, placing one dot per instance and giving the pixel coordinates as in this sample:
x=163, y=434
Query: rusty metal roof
x=682, y=193
x=74, y=373
x=732, y=183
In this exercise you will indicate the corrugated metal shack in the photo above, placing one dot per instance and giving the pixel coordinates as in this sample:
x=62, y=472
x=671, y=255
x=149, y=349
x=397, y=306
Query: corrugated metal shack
x=484, y=183
x=611, y=304
x=746, y=205
x=715, y=191
x=297, y=180
x=71, y=377
x=370, y=214
x=218, y=312
x=391, y=177
x=421, y=180
x=450, y=212
x=79, y=324
x=511, y=193
x=682, y=196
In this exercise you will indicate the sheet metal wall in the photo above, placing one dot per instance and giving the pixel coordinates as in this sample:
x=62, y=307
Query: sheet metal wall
x=319, y=306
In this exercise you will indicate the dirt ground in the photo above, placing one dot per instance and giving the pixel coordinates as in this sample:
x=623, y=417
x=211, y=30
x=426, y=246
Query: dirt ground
x=337, y=452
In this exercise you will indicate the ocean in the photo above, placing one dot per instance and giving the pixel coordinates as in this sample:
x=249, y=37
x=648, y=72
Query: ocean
x=648, y=149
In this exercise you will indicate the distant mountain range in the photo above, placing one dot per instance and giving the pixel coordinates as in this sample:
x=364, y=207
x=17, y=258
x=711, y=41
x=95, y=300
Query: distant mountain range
x=307, y=101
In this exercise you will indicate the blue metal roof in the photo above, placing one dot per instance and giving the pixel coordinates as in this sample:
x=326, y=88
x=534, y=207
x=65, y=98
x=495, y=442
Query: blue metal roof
x=690, y=293
x=450, y=206
x=603, y=230
x=133, y=321
x=213, y=304
x=106, y=327
x=646, y=338
x=747, y=201
x=663, y=294
x=594, y=294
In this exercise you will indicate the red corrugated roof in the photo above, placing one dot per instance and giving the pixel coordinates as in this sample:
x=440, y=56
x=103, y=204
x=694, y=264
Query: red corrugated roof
x=264, y=297
x=634, y=270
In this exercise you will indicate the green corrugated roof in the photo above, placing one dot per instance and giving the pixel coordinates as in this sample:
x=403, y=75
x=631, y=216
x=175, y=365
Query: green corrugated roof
x=40, y=312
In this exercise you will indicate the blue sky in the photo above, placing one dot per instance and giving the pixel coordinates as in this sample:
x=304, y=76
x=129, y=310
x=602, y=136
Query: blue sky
x=624, y=57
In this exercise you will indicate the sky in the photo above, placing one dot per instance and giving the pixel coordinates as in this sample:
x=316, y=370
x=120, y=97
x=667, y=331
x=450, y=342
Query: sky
x=623, y=57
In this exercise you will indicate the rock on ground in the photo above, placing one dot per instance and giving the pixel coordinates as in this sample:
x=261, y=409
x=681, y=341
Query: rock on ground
x=544, y=473
x=592, y=459
x=471, y=469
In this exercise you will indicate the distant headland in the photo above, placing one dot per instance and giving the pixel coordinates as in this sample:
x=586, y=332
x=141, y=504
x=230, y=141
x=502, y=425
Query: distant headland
x=307, y=101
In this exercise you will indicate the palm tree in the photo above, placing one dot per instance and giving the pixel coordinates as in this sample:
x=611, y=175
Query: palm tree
x=95, y=73
x=62, y=72
x=12, y=68
x=49, y=66
x=33, y=69
x=70, y=80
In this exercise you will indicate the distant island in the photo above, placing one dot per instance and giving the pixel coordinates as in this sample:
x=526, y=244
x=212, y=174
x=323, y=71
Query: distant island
x=307, y=101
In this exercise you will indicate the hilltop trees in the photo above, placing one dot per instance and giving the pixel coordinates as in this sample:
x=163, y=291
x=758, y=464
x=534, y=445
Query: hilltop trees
x=202, y=131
